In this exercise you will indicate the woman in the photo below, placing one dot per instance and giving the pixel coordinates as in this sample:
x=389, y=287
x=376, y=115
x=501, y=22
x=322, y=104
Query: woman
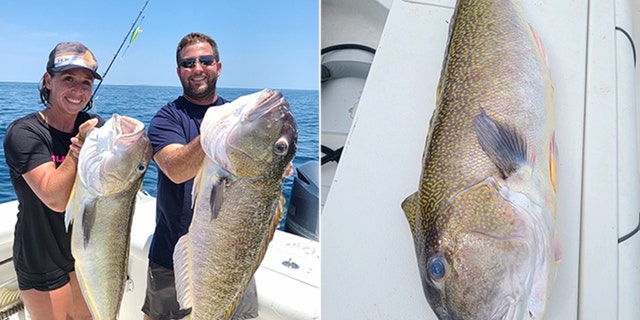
x=41, y=150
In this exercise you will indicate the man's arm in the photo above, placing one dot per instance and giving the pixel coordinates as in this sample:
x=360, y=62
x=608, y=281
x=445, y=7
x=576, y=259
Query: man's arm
x=180, y=162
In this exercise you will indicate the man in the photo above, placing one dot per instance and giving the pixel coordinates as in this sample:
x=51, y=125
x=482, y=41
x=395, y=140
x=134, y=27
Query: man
x=175, y=136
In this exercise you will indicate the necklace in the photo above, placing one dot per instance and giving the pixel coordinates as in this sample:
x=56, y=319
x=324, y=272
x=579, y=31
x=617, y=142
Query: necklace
x=44, y=117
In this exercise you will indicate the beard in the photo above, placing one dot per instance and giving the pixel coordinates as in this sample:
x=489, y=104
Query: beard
x=203, y=92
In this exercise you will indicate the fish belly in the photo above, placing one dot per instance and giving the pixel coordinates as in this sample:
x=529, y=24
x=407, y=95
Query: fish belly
x=216, y=259
x=102, y=256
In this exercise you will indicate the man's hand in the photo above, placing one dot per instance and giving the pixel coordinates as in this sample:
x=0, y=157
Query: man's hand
x=288, y=170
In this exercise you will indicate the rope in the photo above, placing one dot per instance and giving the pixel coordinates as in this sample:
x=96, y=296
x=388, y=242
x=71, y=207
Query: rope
x=10, y=302
x=330, y=154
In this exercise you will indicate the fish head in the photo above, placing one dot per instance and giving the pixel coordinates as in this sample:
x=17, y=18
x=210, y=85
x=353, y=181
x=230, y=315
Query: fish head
x=476, y=263
x=114, y=156
x=255, y=137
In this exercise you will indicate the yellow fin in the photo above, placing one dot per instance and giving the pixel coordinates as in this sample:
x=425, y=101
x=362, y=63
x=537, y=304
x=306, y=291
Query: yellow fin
x=540, y=45
x=553, y=155
x=410, y=208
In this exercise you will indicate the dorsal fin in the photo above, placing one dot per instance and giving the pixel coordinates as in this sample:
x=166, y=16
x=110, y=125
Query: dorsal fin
x=410, y=207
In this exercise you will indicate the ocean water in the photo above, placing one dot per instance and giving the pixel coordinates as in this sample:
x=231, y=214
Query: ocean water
x=142, y=102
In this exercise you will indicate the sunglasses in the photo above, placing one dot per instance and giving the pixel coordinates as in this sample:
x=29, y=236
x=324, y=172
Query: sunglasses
x=191, y=62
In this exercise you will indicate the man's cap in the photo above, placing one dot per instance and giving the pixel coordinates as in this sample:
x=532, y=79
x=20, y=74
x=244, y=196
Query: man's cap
x=69, y=55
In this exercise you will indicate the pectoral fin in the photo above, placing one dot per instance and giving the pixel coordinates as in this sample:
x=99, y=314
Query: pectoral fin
x=277, y=216
x=506, y=148
x=88, y=219
x=217, y=196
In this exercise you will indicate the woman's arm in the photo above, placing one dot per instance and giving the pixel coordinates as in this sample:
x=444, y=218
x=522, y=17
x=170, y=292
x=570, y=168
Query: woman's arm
x=53, y=185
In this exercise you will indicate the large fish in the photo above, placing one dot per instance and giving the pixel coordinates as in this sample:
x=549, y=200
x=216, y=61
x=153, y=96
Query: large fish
x=111, y=166
x=483, y=219
x=238, y=201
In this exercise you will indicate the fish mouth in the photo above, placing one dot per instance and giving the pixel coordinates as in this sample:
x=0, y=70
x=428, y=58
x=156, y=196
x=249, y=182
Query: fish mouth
x=268, y=101
x=272, y=106
x=508, y=308
x=265, y=132
x=127, y=129
x=127, y=132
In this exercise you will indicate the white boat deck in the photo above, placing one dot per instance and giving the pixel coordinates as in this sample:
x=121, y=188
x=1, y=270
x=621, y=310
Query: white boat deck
x=369, y=269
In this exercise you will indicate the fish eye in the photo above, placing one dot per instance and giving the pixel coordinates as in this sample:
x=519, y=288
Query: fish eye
x=437, y=268
x=142, y=167
x=281, y=147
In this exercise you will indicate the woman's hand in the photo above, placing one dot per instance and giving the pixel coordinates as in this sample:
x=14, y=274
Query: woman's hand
x=78, y=140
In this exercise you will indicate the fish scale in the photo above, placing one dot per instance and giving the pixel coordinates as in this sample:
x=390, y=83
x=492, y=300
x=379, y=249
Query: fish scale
x=483, y=216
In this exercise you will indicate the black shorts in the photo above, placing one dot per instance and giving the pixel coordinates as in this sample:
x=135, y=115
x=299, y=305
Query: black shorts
x=161, y=302
x=42, y=282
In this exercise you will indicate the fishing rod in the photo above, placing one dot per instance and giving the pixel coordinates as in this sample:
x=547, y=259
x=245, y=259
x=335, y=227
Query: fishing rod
x=120, y=48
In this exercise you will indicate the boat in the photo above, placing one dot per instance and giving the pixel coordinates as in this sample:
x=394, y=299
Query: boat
x=375, y=110
x=288, y=279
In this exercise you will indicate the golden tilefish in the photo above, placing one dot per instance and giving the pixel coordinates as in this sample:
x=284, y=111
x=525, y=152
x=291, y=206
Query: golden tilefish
x=483, y=219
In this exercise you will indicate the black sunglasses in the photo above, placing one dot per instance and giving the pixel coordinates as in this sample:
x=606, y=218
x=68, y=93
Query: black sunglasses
x=191, y=62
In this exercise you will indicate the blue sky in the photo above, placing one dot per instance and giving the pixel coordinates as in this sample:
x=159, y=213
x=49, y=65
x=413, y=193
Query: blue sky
x=272, y=43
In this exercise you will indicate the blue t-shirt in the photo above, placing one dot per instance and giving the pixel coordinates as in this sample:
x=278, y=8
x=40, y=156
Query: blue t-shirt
x=177, y=122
